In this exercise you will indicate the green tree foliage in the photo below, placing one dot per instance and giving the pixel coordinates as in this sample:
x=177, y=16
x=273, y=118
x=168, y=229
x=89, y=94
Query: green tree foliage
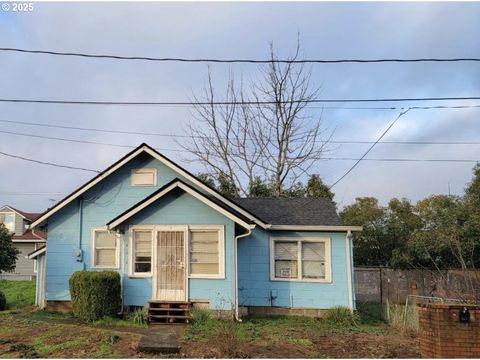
x=438, y=232
x=260, y=188
x=369, y=244
x=206, y=179
x=225, y=186
x=316, y=188
x=8, y=253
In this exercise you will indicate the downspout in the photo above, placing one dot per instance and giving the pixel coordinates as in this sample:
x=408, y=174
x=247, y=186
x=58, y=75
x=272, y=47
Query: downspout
x=122, y=270
x=349, y=270
x=79, y=253
x=235, y=271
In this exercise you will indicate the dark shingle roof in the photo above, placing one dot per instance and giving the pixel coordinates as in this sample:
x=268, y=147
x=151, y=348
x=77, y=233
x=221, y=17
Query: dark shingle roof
x=293, y=211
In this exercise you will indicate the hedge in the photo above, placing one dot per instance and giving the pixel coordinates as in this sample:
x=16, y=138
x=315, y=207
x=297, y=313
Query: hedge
x=95, y=294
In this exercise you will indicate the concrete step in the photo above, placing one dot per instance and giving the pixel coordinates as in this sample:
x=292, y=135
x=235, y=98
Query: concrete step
x=164, y=339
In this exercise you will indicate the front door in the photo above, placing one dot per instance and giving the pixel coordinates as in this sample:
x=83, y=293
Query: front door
x=170, y=265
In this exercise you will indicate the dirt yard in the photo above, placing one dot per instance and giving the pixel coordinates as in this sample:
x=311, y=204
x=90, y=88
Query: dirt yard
x=32, y=335
x=297, y=337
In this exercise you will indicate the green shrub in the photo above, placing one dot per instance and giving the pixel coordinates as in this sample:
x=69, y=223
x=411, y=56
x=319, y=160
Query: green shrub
x=139, y=316
x=200, y=316
x=95, y=294
x=3, y=301
x=340, y=316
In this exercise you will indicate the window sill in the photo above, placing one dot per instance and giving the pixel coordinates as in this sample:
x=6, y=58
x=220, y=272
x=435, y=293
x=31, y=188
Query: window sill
x=140, y=276
x=318, y=281
x=207, y=277
x=105, y=267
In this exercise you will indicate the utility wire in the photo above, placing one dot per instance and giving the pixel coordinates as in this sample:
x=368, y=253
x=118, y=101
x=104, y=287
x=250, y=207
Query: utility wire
x=403, y=160
x=179, y=150
x=186, y=151
x=204, y=137
x=370, y=148
x=47, y=163
x=230, y=61
x=221, y=103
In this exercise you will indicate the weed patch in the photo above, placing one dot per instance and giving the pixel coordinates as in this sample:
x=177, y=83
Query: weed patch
x=25, y=351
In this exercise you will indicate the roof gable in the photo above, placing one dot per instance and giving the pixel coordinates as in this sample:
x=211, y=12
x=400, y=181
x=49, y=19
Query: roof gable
x=23, y=214
x=144, y=148
x=177, y=183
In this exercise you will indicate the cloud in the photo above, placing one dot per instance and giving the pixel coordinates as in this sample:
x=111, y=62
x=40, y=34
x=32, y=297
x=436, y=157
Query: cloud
x=229, y=30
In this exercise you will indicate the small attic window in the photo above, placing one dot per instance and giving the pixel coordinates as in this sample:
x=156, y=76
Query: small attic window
x=144, y=177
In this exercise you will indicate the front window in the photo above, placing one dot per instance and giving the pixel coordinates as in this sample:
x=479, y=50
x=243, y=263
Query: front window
x=306, y=259
x=206, y=252
x=105, y=249
x=141, y=253
x=8, y=219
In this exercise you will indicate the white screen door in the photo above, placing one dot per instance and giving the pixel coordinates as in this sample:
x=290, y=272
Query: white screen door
x=170, y=274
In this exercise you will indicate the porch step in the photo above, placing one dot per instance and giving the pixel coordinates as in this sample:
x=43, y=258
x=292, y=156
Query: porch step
x=168, y=312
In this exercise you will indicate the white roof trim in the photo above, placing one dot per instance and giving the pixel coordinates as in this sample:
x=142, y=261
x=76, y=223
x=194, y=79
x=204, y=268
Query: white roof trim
x=188, y=190
x=315, y=227
x=28, y=241
x=12, y=210
x=164, y=161
x=37, y=253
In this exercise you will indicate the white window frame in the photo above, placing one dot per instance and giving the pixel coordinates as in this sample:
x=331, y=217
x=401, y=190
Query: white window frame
x=299, y=240
x=14, y=219
x=117, y=249
x=35, y=268
x=221, y=251
x=154, y=170
x=131, y=252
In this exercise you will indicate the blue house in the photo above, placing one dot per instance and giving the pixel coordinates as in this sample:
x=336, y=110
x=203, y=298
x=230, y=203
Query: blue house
x=174, y=239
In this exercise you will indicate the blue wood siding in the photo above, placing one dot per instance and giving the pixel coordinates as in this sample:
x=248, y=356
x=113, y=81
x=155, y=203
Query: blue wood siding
x=70, y=231
x=256, y=288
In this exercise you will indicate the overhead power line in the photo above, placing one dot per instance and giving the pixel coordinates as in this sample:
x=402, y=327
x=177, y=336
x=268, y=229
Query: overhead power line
x=346, y=159
x=404, y=160
x=46, y=163
x=370, y=148
x=222, y=103
x=186, y=151
x=239, y=60
x=126, y=132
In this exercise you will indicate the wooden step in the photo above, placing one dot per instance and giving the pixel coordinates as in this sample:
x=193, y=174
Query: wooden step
x=168, y=316
x=167, y=309
x=168, y=312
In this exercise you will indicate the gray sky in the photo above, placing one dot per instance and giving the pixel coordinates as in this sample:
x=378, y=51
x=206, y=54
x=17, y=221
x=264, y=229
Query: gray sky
x=237, y=30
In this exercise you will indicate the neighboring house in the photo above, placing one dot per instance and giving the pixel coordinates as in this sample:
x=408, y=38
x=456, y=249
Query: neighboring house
x=24, y=240
x=174, y=239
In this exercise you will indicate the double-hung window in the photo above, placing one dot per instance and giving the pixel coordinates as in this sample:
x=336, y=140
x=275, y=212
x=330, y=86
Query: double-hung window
x=105, y=249
x=206, y=252
x=300, y=259
x=141, y=253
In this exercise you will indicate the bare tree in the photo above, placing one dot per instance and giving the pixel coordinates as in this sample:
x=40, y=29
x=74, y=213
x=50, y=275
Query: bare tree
x=272, y=136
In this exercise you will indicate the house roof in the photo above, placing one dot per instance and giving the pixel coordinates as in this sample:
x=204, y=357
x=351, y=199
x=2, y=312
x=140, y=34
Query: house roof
x=30, y=236
x=175, y=184
x=26, y=215
x=293, y=211
x=213, y=193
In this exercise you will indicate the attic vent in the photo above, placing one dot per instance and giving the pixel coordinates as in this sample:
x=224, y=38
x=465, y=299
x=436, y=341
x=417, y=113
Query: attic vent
x=144, y=177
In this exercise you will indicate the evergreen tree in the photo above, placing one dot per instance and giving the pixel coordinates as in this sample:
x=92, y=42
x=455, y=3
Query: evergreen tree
x=8, y=253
